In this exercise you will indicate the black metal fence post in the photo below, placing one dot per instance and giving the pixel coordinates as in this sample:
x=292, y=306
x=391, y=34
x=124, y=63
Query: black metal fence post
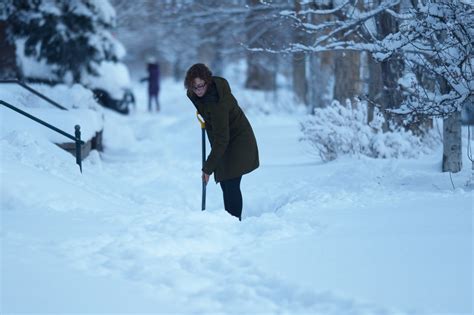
x=78, y=146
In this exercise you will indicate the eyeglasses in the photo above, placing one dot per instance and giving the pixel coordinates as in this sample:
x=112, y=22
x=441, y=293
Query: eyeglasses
x=199, y=87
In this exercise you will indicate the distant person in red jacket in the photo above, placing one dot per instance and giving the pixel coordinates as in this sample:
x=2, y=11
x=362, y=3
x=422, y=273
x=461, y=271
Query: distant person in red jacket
x=153, y=79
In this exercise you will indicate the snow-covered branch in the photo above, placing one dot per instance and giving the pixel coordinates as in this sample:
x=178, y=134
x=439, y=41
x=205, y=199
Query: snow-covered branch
x=436, y=36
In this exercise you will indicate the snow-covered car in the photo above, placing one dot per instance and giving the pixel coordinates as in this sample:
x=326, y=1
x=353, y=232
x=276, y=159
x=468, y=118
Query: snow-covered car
x=112, y=86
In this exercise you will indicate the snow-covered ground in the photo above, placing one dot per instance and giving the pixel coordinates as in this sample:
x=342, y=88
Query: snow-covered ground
x=354, y=236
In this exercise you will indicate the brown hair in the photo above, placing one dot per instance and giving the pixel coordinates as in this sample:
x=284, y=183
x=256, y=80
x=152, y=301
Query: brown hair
x=198, y=70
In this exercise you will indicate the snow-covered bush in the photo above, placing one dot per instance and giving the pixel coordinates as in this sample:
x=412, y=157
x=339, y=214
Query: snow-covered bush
x=343, y=130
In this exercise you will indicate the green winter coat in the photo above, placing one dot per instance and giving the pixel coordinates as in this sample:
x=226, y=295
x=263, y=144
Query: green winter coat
x=234, y=149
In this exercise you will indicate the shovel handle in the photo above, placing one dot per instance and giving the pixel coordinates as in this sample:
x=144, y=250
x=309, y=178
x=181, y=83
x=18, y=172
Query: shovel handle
x=203, y=127
x=203, y=200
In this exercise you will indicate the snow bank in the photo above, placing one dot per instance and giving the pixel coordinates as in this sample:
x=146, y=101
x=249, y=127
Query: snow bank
x=357, y=236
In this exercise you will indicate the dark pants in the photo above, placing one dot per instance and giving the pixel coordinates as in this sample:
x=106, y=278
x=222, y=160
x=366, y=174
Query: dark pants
x=152, y=97
x=232, y=196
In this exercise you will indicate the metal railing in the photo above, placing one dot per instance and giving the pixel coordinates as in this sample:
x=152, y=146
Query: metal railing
x=77, y=134
x=44, y=97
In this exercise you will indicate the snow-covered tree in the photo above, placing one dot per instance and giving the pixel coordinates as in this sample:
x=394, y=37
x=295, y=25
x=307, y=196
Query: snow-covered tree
x=439, y=39
x=433, y=36
x=8, y=64
x=72, y=37
x=182, y=32
x=437, y=36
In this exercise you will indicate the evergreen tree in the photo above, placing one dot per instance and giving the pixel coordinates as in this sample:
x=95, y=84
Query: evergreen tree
x=72, y=36
x=8, y=66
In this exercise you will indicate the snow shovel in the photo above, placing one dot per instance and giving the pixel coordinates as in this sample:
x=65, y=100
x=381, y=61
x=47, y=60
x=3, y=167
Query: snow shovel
x=203, y=129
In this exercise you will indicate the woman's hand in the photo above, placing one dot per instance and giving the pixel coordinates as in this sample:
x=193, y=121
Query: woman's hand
x=205, y=177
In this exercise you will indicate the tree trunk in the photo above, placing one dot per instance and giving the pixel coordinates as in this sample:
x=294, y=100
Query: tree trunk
x=321, y=78
x=321, y=68
x=392, y=69
x=452, y=144
x=300, y=85
x=259, y=76
x=261, y=73
x=375, y=87
x=391, y=95
x=347, y=75
x=218, y=58
x=428, y=82
x=205, y=52
x=8, y=65
x=313, y=86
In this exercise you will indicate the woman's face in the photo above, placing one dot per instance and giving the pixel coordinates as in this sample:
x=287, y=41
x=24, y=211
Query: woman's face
x=199, y=87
